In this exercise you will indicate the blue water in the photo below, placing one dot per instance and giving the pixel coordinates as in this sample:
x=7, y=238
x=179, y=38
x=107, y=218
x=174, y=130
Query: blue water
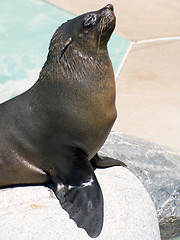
x=26, y=27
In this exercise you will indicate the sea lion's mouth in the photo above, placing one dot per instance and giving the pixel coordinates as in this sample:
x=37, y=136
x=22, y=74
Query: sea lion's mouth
x=107, y=20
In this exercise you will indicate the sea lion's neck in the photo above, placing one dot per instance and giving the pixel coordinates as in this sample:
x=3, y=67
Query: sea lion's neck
x=73, y=76
x=76, y=65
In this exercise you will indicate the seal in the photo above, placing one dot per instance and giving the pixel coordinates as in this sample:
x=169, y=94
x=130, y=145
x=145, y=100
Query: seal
x=53, y=131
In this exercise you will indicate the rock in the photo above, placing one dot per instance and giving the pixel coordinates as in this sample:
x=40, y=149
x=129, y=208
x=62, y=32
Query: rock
x=34, y=212
x=158, y=168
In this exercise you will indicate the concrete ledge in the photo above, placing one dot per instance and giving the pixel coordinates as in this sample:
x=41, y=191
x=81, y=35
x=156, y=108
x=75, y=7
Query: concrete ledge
x=34, y=212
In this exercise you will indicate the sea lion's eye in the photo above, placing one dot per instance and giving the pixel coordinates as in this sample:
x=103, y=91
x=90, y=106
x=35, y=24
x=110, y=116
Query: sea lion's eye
x=90, y=20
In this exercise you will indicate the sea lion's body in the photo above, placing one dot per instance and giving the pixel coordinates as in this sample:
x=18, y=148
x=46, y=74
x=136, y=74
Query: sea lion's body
x=54, y=130
x=35, y=132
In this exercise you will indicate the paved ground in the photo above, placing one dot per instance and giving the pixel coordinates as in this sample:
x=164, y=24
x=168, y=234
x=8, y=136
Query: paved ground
x=148, y=84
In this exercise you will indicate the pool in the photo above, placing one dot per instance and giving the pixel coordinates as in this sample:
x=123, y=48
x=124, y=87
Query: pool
x=26, y=27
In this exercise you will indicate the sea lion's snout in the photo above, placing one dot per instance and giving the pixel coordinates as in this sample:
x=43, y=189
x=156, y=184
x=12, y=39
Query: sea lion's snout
x=109, y=10
x=107, y=21
x=110, y=6
x=108, y=13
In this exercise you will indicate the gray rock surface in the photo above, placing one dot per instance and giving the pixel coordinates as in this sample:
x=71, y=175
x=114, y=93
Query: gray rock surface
x=34, y=213
x=158, y=168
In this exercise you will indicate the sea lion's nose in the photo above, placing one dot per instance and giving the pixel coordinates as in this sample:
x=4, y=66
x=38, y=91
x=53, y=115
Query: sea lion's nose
x=110, y=6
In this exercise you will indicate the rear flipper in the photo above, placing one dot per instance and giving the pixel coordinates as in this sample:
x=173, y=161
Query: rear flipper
x=104, y=162
x=84, y=203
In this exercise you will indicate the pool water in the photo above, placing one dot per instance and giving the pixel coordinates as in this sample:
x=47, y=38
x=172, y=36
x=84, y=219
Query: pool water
x=26, y=27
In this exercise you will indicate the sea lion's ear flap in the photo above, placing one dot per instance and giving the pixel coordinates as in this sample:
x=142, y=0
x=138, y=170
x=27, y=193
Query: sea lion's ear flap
x=66, y=45
x=84, y=204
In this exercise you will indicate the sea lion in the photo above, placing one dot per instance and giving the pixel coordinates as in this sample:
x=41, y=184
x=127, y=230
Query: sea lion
x=53, y=131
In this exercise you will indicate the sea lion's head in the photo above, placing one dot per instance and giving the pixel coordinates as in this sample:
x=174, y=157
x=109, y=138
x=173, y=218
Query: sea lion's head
x=95, y=27
x=88, y=31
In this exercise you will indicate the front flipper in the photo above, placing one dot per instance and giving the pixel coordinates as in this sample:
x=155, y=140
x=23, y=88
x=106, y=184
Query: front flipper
x=104, y=162
x=79, y=192
x=84, y=204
